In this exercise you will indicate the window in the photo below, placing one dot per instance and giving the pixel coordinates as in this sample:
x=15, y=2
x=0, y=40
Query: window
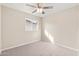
x=31, y=25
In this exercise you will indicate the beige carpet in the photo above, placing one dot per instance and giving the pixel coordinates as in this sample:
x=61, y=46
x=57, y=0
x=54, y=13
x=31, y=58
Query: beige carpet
x=39, y=49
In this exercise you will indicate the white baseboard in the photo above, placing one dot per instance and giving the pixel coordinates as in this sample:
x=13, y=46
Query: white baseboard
x=65, y=46
x=20, y=45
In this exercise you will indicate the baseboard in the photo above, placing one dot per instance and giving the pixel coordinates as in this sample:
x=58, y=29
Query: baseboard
x=20, y=45
x=65, y=46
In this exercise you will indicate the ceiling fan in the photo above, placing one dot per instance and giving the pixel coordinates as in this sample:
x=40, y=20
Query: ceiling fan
x=39, y=8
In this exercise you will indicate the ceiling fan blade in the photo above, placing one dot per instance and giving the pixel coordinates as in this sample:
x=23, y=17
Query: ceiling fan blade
x=34, y=11
x=30, y=5
x=38, y=5
x=48, y=7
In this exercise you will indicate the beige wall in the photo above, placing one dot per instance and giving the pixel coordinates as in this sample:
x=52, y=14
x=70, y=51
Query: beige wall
x=13, y=23
x=64, y=27
x=0, y=28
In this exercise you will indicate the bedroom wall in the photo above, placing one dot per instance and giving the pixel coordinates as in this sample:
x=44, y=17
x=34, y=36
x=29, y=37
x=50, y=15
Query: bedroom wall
x=13, y=28
x=77, y=45
x=0, y=28
x=63, y=26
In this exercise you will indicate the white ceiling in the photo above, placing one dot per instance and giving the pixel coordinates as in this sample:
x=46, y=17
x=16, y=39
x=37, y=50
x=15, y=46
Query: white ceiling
x=56, y=7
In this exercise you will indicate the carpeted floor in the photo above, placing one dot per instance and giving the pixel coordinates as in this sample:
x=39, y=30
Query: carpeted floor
x=39, y=49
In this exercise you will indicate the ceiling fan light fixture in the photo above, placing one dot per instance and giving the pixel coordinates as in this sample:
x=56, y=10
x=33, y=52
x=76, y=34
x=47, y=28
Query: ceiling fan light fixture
x=39, y=10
